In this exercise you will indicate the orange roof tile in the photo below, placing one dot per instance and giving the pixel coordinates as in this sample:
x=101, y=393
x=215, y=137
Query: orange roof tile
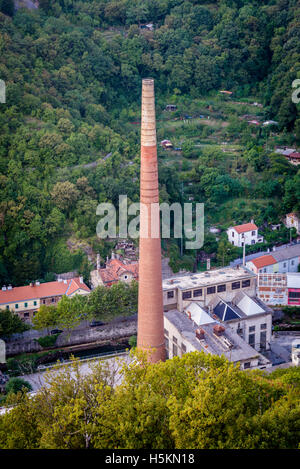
x=115, y=268
x=245, y=227
x=263, y=261
x=43, y=290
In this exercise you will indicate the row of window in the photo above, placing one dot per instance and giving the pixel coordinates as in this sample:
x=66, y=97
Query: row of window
x=253, y=233
x=284, y=266
x=16, y=306
x=210, y=290
x=263, y=339
x=262, y=327
x=174, y=345
x=294, y=294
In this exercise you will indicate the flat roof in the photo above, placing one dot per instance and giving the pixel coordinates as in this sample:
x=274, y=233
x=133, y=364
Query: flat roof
x=203, y=279
x=240, y=350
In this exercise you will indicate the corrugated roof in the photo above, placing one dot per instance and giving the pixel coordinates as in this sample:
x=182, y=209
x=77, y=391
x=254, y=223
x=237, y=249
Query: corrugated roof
x=245, y=227
x=43, y=290
x=263, y=261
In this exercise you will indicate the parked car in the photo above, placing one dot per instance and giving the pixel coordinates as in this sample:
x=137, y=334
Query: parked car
x=56, y=331
x=96, y=323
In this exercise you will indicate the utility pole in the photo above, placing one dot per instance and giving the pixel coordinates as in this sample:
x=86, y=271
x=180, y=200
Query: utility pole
x=181, y=240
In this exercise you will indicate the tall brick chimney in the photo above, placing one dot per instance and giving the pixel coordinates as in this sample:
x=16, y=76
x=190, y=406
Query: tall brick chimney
x=150, y=305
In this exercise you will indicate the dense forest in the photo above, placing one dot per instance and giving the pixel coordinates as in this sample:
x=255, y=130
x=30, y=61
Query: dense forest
x=198, y=401
x=68, y=138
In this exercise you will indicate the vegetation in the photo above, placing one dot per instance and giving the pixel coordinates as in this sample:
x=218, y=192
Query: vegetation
x=198, y=401
x=73, y=70
x=14, y=385
x=47, y=341
x=10, y=323
x=101, y=304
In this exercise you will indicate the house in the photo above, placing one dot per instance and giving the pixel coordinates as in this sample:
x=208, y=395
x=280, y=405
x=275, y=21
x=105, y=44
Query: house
x=201, y=287
x=115, y=271
x=267, y=123
x=26, y=300
x=262, y=264
x=244, y=234
x=292, y=220
x=148, y=26
x=291, y=154
x=237, y=332
x=280, y=260
x=255, y=122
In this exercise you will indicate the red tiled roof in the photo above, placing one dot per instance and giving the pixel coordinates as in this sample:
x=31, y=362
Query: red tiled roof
x=244, y=228
x=43, y=290
x=295, y=154
x=115, y=268
x=263, y=261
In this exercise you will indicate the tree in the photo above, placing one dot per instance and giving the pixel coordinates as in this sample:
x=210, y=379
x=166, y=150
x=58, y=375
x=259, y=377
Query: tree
x=64, y=195
x=15, y=385
x=10, y=323
x=7, y=7
x=45, y=317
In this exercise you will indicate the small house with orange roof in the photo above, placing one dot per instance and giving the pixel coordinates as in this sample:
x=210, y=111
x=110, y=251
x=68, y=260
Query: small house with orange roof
x=26, y=300
x=263, y=264
x=244, y=234
x=115, y=270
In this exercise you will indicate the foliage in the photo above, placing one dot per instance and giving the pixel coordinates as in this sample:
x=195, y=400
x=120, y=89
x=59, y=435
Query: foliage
x=47, y=341
x=14, y=385
x=10, y=323
x=197, y=401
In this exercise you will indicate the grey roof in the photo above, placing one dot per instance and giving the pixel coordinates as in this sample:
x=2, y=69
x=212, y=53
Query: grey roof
x=239, y=350
x=286, y=253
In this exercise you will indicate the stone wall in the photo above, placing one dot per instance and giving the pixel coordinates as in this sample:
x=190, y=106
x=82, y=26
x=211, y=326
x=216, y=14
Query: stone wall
x=23, y=343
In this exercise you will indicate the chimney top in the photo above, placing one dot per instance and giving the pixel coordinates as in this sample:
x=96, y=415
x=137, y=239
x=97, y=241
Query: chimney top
x=9, y=287
x=219, y=330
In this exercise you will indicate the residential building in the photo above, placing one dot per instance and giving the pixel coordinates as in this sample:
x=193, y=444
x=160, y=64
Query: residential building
x=279, y=260
x=26, y=300
x=196, y=329
x=244, y=234
x=115, y=270
x=292, y=220
x=291, y=154
x=201, y=287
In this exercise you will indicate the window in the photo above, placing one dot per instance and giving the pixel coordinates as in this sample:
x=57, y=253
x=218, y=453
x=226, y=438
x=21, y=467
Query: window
x=174, y=340
x=53, y=300
x=198, y=292
x=252, y=329
x=186, y=295
x=34, y=303
x=183, y=348
x=221, y=287
x=26, y=315
x=25, y=304
x=167, y=343
x=175, y=350
x=253, y=241
x=265, y=269
x=292, y=262
x=235, y=285
x=211, y=290
x=243, y=236
x=263, y=326
x=247, y=365
x=294, y=294
x=263, y=339
x=7, y=307
x=232, y=234
x=253, y=233
x=125, y=277
x=284, y=264
x=44, y=302
x=251, y=339
x=245, y=283
x=17, y=306
x=170, y=294
x=166, y=332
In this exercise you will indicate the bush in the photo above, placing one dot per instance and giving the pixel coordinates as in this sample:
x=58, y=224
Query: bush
x=132, y=341
x=15, y=385
x=47, y=341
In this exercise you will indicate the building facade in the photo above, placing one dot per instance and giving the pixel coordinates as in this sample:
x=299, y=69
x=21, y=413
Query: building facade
x=202, y=287
x=292, y=220
x=246, y=234
x=196, y=329
x=25, y=301
x=115, y=271
x=278, y=261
